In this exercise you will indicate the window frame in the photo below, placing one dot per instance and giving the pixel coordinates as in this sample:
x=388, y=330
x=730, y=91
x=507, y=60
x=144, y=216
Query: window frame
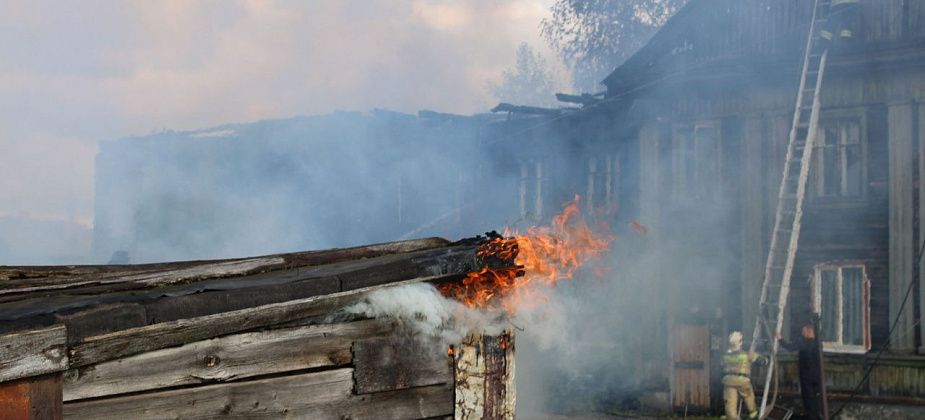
x=696, y=186
x=816, y=289
x=826, y=119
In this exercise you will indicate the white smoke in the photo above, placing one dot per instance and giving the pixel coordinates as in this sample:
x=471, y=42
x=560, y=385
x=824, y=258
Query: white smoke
x=422, y=310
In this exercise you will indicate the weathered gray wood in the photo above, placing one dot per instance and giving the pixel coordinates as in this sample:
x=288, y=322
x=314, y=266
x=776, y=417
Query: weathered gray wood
x=901, y=221
x=321, y=395
x=17, y=280
x=921, y=181
x=390, y=363
x=32, y=353
x=166, y=334
x=228, y=358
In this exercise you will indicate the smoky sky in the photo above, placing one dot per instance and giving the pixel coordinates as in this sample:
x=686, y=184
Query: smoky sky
x=74, y=74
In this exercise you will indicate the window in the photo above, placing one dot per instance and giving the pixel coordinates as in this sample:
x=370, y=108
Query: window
x=841, y=297
x=696, y=160
x=531, y=190
x=839, y=159
x=603, y=184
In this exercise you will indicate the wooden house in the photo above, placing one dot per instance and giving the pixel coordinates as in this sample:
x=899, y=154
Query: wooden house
x=690, y=139
x=261, y=337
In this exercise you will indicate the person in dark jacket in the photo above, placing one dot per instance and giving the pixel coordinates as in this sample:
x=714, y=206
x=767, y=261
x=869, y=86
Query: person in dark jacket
x=810, y=376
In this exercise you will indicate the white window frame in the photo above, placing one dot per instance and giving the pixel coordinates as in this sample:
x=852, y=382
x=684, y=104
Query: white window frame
x=839, y=346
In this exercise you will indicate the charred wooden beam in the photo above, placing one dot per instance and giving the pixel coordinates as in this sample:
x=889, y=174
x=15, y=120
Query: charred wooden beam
x=524, y=109
x=583, y=99
x=19, y=280
x=97, y=309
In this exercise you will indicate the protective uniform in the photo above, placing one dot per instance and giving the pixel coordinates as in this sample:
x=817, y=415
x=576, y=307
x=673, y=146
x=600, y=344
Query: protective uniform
x=842, y=21
x=737, y=368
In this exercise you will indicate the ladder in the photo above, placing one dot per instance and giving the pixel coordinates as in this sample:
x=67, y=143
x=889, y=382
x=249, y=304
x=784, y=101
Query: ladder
x=787, y=221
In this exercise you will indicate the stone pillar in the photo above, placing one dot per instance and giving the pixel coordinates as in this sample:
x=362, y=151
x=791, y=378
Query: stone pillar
x=902, y=250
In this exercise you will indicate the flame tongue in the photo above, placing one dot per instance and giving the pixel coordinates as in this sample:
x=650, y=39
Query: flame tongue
x=542, y=256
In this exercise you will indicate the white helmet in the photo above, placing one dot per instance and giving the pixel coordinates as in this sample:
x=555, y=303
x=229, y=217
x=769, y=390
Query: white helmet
x=735, y=341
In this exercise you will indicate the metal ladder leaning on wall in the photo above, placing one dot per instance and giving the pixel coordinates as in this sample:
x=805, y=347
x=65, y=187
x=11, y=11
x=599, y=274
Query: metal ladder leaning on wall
x=787, y=221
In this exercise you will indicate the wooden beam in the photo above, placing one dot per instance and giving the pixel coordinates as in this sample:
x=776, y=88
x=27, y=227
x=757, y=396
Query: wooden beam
x=901, y=260
x=390, y=363
x=132, y=341
x=223, y=359
x=319, y=395
x=35, y=398
x=32, y=353
x=18, y=280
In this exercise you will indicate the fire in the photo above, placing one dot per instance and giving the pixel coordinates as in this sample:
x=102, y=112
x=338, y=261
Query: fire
x=541, y=257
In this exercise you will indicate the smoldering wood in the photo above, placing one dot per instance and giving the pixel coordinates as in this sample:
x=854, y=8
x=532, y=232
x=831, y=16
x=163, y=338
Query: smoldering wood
x=400, y=362
x=166, y=334
x=81, y=308
x=32, y=353
x=524, y=109
x=223, y=359
x=320, y=395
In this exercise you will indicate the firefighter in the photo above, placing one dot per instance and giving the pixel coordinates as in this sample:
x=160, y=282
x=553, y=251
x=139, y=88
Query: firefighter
x=737, y=369
x=842, y=22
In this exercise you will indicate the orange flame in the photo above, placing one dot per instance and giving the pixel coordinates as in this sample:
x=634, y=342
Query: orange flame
x=542, y=257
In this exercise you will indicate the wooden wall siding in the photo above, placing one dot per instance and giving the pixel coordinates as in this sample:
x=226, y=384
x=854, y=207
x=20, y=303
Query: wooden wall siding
x=132, y=341
x=920, y=125
x=891, y=377
x=320, y=395
x=229, y=358
x=399, y=362
x=33, y=353
x=754, y=245
x=723, y=31
x=901, y=151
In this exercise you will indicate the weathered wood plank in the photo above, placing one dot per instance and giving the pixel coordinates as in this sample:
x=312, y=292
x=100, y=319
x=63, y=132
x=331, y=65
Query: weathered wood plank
x=232, y=293
x=31, y=279
x=228, y=358
x=901, y=220
x=321, y=395
x=32, y=353
x=34, y=398
x=390, y=363
x=167, y=334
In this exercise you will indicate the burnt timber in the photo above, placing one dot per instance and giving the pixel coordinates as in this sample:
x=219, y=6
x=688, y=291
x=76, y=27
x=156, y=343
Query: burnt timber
x=258, y=336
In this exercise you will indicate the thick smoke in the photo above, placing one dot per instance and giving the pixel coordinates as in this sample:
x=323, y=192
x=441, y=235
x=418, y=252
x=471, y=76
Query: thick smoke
x=423, y=311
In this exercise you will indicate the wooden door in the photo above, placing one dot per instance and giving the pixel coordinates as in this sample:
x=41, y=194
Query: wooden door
x=690, y=370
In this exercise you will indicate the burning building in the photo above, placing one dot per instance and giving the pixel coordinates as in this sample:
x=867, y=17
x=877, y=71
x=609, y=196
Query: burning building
x=275, y=336
x=691, y=139
x=682, y=156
